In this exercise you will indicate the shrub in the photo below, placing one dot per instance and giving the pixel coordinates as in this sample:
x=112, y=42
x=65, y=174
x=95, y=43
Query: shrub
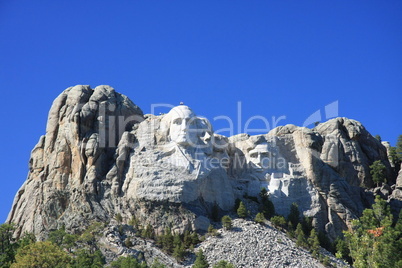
x=259, y=218
x=242, y=211
x=200, y=260
x=223, y=264
x=278, y=221
x=227, y=222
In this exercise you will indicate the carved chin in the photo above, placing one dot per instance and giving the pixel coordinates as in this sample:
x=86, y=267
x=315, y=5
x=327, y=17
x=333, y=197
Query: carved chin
x=182, y=141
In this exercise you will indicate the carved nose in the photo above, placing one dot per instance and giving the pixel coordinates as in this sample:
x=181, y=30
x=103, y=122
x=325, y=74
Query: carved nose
x=184, y=125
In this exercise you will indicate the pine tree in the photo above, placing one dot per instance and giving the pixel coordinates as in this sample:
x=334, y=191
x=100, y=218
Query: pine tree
x=148, y=232
x=291, y=230
x=179, y=252
x=278, y=221
x=242, y=211
x=133, y=222
x=187, y=239
x=227, y=222
x=373, y=241
x=128, y=262
x=200, y=260
x=342, y=250
x=194, y=238
x=378, y=172
x=294, y=214
x=178, y=248
x=223, y=264
x=119, y=218
x=8, y=248
x=167, y=240
x=259, y=218
x=300, y=237
x=314, y=243
x=399, y=147
x=267, y=207
x=157, y=264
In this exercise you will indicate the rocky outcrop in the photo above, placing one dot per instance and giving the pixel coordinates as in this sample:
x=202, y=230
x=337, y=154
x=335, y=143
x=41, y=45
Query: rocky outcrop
x=101, y=156
x=67, y=182
x=251, y=245
x=247, y=244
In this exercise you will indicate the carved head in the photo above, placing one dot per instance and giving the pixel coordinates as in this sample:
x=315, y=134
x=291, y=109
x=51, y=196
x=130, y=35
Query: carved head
x=259, y=156
x=185, y=129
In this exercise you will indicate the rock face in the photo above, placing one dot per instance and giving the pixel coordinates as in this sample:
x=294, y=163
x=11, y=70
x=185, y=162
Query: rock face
x=101, y=156
x=67, y=181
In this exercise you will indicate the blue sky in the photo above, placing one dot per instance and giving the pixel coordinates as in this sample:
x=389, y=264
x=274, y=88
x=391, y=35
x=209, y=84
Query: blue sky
x=278, y=58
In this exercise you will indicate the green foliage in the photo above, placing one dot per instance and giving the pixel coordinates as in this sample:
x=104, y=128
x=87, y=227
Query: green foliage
x=63, y=239
x=212, y=231
x=294, y=214
x=128, y=262
x=167, y=240
x=194, y=238
x=307, y=224
x=148, y=232
x=26, y=239
x=394, y=158
x=120, y=229
x=176, y=240
x=291, y=230
x=378, y=172
x=314, y=243
x=85, y=259
x=7, y=246
x=378, y=137
x=119, y=218
x=128, y=242
x=41, y=254
x=223, y=264
x=373, y=241
x=301, y=240
x=278, y=221
x=342, y=250
x=157, y=264
x=259, y=218
x=187, y=239
x=88, y=237
x=326, y=261
x=227, y=222
x=200, y=260
x=179, y=252
x=266, y=207
x=133, y=222
x=399, y=147
x=242, y=211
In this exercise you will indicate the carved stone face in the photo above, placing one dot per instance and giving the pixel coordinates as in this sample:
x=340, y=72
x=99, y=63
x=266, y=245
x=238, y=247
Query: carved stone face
x=259, y=156
x=183, y=126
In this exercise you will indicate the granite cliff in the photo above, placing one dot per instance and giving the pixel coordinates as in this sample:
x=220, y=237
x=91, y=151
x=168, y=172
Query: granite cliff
x=101, y=156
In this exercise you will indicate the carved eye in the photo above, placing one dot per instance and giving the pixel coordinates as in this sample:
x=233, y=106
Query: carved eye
x=177, y=121
x=190, y=122
x=254, y=155
x=264, y=155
